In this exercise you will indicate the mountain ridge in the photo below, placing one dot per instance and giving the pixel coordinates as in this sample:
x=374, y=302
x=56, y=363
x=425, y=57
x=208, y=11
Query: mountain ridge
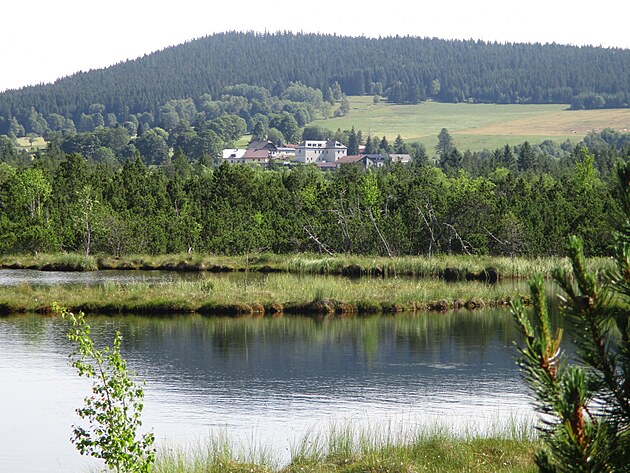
x=405, y=69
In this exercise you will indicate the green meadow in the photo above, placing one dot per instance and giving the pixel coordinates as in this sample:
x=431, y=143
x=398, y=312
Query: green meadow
x=475, y=126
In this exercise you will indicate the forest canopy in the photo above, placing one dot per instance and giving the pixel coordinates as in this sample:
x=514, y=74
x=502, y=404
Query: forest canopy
x=258, y=67
x=519, y=200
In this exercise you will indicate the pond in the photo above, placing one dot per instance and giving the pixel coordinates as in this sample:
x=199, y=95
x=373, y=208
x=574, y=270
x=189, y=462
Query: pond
x=266, y=381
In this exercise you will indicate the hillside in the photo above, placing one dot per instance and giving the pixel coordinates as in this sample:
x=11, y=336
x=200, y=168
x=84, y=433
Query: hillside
x=475, y=126
x=402, y=69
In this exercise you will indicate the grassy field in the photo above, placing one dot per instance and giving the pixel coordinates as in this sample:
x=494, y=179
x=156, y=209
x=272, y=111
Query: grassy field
x=38, y=143
x=476, y=126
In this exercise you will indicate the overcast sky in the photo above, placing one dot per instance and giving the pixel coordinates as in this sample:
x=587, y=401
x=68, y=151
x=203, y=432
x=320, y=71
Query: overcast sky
x=43, y=40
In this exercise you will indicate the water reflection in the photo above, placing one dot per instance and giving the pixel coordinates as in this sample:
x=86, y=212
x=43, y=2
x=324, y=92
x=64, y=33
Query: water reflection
x=270, y=379
x=32, y=277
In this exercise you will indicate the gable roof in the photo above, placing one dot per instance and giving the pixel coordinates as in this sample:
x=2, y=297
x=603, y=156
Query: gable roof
x=374, y=157
x=266, y=145
x=352, y=159
x=256, y=154
x=233, y=153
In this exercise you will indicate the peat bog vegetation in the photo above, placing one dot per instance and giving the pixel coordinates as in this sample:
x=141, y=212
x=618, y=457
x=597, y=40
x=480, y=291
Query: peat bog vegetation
x=346, y=450
x=302, y=284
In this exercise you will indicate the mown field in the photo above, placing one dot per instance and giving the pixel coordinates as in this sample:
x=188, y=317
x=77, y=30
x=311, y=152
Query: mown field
x=476, y=126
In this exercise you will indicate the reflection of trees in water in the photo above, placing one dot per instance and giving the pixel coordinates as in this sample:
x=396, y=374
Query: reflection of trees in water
x=189, y=343
x=465, y=330
x=198, y=339
x=232, y=337
x=32, y=329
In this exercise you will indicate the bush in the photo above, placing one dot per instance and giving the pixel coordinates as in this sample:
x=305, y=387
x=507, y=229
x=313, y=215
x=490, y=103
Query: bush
x=114, y=408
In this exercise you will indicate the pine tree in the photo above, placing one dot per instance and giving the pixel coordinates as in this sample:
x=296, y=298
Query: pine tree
x=369, y=145
x=445, y=143
x=585, y=406
x=527, y=160
x=399, y=145
x=353, y=143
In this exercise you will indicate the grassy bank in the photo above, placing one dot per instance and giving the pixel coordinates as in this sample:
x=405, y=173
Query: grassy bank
x=459, y=267
x=278, y=293
x=345, y=450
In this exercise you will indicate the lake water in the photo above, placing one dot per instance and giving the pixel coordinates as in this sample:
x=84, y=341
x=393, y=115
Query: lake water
x=15, y=277
x=262, y=381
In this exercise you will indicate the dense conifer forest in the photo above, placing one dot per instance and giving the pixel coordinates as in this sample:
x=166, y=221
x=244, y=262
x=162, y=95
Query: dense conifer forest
x=520, y=200
x=132, y=158
x=402, y=69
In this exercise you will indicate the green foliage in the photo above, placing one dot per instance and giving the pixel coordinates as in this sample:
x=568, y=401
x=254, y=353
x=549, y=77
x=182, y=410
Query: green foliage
x=175, y=82
x=474, y=204
x=585, y=405
x=114, y=409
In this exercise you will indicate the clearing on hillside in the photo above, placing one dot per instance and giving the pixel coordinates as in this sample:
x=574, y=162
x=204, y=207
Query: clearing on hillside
x=475, y=126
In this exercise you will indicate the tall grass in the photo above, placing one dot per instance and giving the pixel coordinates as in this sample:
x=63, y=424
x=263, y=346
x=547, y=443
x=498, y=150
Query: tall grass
x=348, y=448
x=353, y=265
x=272, y=293
x=59, y=262
x=215, y=454
x=420, y=266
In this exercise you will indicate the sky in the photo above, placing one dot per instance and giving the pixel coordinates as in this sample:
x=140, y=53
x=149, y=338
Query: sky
x=43, y=40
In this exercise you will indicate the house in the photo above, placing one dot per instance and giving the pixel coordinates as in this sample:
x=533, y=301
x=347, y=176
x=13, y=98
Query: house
x=352, y=159
x=233, y=156
x=247, y=156
x=316, y=151
x=325, y=166
x=377, y=160
x=286, y=151
x=263, y=145
x=400, y=158
x=366, y=161
x=256, y=156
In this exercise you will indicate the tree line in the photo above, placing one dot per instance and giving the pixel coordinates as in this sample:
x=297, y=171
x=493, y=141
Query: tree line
x=402, y=69
x=488, y=203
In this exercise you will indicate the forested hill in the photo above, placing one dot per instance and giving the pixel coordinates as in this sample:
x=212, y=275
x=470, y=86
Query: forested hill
x=404, y=69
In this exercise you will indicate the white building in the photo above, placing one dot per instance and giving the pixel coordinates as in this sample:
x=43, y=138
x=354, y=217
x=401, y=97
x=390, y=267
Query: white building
x=233, y=156
x=314, y=151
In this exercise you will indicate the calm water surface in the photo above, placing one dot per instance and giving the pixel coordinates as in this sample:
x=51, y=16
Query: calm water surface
x=33, y=277
x=266, y=381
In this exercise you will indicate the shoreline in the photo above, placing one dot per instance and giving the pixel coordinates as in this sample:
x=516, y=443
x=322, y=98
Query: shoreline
x=276, y=295
x=447, y=267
